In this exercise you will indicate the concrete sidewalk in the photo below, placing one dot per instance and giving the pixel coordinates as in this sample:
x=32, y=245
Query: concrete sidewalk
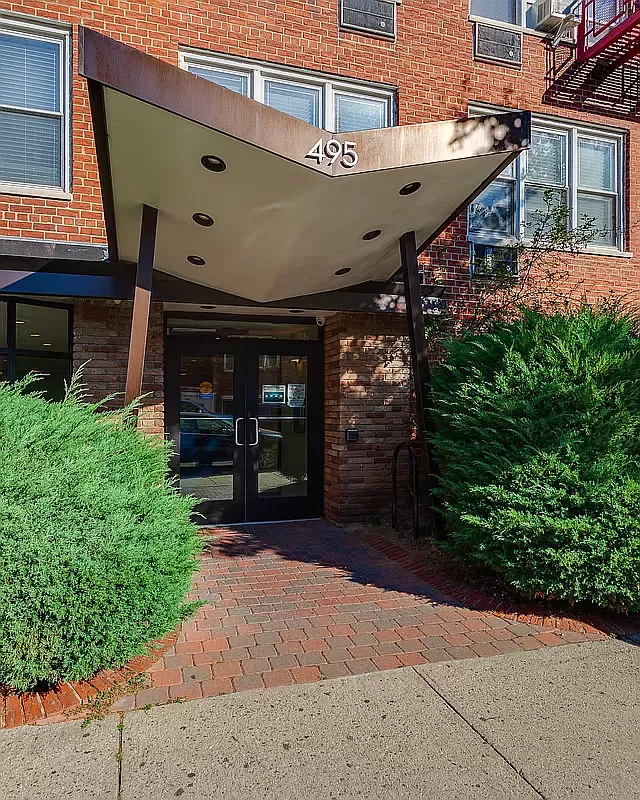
x=553, y=723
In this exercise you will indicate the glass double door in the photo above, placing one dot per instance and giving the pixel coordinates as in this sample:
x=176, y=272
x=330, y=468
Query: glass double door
x=247, y=424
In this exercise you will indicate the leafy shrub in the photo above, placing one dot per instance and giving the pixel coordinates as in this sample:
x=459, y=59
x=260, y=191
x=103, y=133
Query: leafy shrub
x=96, y=548
x=538, y=440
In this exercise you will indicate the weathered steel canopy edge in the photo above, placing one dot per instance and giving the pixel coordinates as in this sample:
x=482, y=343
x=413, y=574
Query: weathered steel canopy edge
x=106, y=62
x=125, y=69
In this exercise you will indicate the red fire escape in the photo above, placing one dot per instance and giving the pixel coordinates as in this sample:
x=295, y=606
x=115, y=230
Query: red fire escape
x=609, y=30
x=604, y=76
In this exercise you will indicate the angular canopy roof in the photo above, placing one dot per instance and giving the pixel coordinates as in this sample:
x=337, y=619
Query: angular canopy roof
x=290, y=216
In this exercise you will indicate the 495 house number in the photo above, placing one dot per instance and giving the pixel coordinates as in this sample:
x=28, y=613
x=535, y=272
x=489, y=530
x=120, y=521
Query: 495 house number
x=333, y=151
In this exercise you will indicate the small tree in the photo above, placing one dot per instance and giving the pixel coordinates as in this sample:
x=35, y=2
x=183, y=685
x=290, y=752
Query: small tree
x=538, y=271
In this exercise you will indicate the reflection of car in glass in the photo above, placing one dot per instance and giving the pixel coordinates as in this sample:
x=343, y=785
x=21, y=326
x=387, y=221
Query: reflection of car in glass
x=207, y=438
x=191, y=407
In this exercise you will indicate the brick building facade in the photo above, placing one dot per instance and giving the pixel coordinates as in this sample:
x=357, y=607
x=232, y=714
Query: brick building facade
x=425, y=72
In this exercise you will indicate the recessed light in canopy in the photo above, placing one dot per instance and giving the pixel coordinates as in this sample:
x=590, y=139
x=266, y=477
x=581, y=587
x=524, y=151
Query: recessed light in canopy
x=213, y=163
x=203, y=219
x=410, y=188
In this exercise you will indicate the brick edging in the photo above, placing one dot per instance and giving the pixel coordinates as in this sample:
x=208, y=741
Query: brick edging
x=69, y=698
x=528, y=613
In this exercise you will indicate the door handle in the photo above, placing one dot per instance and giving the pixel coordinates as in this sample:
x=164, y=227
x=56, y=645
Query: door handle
x=235, y=429
x=253, y=444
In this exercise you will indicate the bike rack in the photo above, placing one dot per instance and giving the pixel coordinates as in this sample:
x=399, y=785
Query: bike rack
x=414, y=482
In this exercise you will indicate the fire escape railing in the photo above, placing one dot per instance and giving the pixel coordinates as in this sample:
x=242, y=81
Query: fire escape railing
x=599, y=18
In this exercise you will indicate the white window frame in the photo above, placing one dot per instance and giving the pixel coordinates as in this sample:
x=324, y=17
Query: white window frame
x=260, y=71
x=61, y=35
x=573, y=131
x=522, y=7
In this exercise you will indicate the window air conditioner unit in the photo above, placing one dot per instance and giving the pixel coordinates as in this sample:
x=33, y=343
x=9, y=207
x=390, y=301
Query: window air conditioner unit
x=497, y=44
x=371, y=16
x=551, y=15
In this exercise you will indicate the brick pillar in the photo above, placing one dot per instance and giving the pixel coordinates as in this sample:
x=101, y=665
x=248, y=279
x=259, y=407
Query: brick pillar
x=101, y=330
x=368, y=386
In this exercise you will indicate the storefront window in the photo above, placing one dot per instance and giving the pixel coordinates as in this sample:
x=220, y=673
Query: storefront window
x=34, y=337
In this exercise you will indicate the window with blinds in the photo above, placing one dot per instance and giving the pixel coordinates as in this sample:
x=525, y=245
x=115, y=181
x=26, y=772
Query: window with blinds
x=569, y=165
x=597, y=194
x=338, y=106
x=33, y=107
x=545, y=178
x=355, y=113
x=296, y=100
x=235, y=81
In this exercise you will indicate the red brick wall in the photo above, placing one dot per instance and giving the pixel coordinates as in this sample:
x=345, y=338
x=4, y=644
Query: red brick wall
x=367, y=386
x=101, y=345
x=431, y=64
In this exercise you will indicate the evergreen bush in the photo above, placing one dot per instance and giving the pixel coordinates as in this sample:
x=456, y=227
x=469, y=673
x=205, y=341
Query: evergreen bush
x=538, y=440
x=97, y=548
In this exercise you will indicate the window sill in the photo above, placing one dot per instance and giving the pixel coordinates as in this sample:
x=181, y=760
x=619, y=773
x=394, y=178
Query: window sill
x=612, y=252
x=594, y=250
x=519, y=28
x=37, y=192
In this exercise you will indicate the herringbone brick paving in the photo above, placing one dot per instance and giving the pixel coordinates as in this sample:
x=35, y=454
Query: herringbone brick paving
x=299, y=602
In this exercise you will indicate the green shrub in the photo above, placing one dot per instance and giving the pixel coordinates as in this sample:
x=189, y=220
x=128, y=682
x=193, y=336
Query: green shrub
x=96, y=548
x=538, y=440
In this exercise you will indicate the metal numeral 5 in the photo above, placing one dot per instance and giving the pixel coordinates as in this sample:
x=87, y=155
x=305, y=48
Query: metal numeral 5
x=334, y=150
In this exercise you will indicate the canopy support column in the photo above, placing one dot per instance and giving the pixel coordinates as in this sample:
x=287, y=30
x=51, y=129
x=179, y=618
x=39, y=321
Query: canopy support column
x=420, y=367
x=415, y=318
x=141, y=303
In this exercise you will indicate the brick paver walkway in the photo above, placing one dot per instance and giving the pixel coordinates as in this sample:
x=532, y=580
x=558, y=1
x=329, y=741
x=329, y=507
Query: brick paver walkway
x=298, y=602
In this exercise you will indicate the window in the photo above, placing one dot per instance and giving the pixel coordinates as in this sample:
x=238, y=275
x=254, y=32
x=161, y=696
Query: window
x=336, y=105
x=493, y=212
x=499, y=10
x=545, y=177
x=34, y=108
x=269, y=362
x=573, y=165
x=35, y=337
x=513, y=12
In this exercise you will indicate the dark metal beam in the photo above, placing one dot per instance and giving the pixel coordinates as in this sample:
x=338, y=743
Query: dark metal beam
x=47, y=284
x=415, y=317
x=116, y=281
x=421, y=376
x=141, y=304
x=101, y=138
x=45, y=249
x=380, y=297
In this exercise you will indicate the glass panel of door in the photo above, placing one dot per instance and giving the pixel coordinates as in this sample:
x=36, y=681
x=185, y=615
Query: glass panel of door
x=244, y=431
x=282, y=421
x=210, y=458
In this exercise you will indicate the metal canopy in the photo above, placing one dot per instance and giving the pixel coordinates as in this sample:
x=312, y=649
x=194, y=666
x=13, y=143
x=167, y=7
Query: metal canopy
x=291, y=216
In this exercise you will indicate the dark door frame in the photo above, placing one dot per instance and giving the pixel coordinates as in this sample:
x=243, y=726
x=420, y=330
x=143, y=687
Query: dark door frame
x=252, y=509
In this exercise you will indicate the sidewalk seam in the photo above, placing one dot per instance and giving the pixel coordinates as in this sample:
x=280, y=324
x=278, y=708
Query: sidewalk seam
x=501, y=755
x=120, y=729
